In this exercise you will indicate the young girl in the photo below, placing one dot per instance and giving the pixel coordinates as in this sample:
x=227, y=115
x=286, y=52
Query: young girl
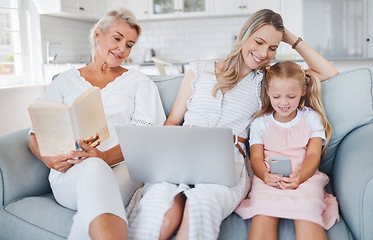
x=291, y=124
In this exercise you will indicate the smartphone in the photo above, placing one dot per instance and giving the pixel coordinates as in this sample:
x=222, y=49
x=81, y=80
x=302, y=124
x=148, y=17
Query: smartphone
x=280, y=165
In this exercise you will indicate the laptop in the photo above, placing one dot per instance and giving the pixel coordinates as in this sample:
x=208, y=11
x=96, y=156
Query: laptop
x=179, y=154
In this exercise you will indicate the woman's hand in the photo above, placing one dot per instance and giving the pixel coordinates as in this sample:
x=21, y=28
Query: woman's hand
x=86, y=152
x=59, y=163
x=321, y=67
x=289, y=37
x=292, y=182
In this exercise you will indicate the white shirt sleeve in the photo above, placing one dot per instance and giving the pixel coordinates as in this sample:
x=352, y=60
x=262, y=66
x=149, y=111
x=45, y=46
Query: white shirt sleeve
x=148, y=105
x=257, y=128
x=314, y=122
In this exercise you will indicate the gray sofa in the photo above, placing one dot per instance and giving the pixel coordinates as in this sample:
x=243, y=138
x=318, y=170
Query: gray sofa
x=29, y=211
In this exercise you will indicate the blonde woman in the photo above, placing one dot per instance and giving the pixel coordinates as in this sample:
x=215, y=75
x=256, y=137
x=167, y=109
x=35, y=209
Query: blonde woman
x=291, y=124
x=217, y=94
x=95, y=181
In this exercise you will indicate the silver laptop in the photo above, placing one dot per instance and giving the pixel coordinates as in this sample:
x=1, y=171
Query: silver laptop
x=178, y=154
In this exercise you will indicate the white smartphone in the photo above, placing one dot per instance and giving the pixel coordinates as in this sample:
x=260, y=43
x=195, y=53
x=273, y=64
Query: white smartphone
x=280, y=165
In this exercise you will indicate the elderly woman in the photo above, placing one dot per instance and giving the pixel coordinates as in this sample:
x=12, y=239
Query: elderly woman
x=95, y=181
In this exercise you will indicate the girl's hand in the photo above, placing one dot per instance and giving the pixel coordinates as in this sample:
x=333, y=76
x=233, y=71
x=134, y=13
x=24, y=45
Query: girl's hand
x=292, y=182
x=86, y=152
x=272, y=179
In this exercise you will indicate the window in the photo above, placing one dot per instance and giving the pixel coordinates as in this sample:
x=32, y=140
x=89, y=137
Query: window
x=334, y=28
x=20, y=44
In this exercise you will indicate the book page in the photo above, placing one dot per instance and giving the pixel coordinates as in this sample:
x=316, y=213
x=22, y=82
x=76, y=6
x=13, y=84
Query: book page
x=53, y=131
x=89, y=118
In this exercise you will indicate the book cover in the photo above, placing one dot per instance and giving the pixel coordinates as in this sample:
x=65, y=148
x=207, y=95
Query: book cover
x=58, y=126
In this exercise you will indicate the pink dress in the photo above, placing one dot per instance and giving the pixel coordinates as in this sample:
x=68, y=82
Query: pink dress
x=309, y=201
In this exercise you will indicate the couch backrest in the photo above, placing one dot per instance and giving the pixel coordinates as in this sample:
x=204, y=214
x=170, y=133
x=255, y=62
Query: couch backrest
x=348, y=104
x=21, y=173
x=168, y=87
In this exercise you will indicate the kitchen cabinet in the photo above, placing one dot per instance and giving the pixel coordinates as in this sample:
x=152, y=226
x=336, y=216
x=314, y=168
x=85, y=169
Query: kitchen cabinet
x=101, y=8
x=84, y=7
x=78, y=9
x=237, y=7
x=165, y=9
x=140, y=8
x=368, y=25
x=178, y=8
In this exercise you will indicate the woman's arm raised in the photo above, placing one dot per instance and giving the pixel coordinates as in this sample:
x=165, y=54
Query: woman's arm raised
x=321, y=67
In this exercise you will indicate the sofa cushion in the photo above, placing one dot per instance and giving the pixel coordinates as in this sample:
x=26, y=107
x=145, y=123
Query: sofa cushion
x=44, y=213
x=168, y=87
x=348, y=104
x=233, y=225
x=24, y=176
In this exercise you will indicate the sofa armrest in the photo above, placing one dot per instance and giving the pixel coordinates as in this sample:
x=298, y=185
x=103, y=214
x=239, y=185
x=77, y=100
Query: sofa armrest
x=353, y=181
x=21, y=173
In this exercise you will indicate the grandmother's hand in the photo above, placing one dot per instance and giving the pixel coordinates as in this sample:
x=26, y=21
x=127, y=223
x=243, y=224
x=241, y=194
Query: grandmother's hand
x=86, y=152
x=59, y=163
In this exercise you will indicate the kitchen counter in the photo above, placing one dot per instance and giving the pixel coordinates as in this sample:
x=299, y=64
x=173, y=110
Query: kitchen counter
x=150, y=68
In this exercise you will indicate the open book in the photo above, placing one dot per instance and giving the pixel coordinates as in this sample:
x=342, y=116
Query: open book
x=58, y=126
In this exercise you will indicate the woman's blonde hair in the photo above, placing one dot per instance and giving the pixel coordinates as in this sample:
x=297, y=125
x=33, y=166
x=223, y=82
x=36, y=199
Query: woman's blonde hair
x=108, y=20
x=233, y=62
x=306, y=78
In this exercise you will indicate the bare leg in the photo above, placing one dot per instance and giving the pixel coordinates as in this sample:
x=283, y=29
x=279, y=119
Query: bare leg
x=108, y=226
x=172, y=218
x=263, y=227
x=309, y=230
x=184, y=227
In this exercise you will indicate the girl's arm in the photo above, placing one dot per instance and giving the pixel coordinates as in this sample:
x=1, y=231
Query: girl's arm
x=179, y=108
x=309, y=167
x=321, y=67
x=259, y=168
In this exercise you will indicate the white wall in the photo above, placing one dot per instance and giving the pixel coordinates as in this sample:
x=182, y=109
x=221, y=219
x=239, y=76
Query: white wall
x=188, y=39
x=14, y=104
x=69, y=39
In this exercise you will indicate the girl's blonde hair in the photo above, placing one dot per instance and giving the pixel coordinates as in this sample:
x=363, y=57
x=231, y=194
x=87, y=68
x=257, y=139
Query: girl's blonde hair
x=108, y=20
x=306, y=78
x=233, y=62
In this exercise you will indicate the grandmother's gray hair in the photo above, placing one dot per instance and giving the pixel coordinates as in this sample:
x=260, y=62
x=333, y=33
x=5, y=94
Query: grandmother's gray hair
x=108, y=20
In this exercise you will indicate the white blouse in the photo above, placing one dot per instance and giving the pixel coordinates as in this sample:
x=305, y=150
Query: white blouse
x=131, y=98
x=234, y=109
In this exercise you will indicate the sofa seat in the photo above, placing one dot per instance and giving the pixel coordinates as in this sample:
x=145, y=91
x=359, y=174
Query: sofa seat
x=43, y=214
x=235, y=226
x=40, y=214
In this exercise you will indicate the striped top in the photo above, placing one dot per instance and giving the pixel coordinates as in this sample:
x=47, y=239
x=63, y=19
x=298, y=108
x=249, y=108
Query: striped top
x=233, y=109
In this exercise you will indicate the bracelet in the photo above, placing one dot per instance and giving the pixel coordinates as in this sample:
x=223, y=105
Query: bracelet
x=296, y=42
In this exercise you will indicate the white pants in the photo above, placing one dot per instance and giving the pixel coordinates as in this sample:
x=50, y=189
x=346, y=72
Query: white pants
x=208, y=205
x=93, y=188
